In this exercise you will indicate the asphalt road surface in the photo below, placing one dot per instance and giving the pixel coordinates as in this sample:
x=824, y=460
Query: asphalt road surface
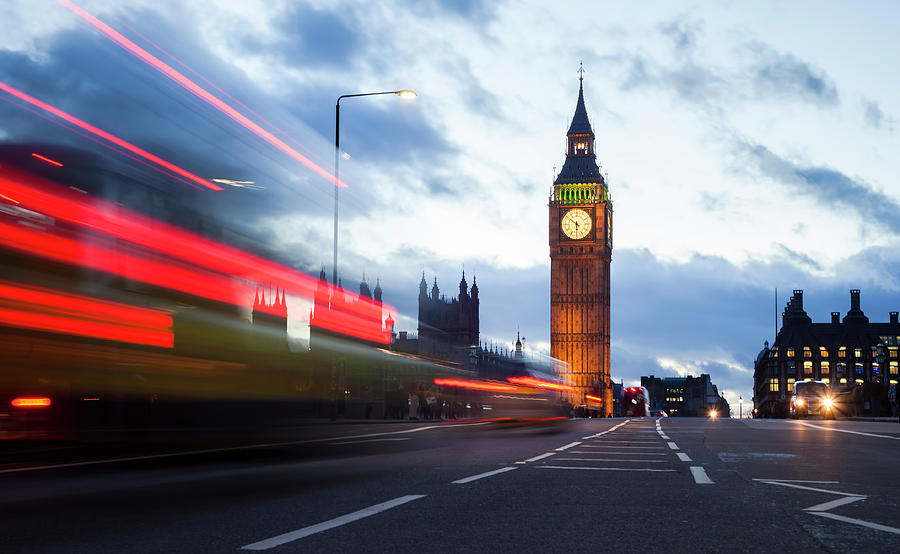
x=647, y=485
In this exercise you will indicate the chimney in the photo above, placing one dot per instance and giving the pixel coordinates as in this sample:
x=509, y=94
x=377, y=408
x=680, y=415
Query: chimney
x=893, y=317
x=854, y=299
x=835, y=318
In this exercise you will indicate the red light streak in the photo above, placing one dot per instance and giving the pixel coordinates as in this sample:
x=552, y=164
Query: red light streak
x=46, y=159
x=47, y=310
x=108, y=136
x=476, y=385
x=592, y=397
x=538, y=383
x=25, y=402
x=196, y=89
x=555, y=418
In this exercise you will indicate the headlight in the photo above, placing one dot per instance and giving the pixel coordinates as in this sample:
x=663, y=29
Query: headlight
x=713, y=413
x=798, y=401
x=827, y=402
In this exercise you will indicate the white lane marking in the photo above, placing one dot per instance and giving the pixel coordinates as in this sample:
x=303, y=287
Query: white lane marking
x=229, y=449
x=700, y=476
x=611, y=453
x=664, y=436
x=568, y=446
x=860, y=522
x=614, y=460
x=799, y=481
x=372, y=440
x=330, y=524
x=896, y=438
x=541, y=457
x=482, y=475
x=825, y=506
x=610, y=430
x=616, y=446
x=673, y=446
x=684, y=457
x=607, y=441
x=793, y=486
x=605, y=468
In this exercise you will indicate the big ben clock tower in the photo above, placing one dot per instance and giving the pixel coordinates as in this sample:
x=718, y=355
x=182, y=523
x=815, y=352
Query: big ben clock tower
x=580, y=254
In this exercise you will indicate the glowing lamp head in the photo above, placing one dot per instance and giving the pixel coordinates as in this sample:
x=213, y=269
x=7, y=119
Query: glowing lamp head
x=713, y=414
x=407, y=94
x=828, y=402
x=798, y=401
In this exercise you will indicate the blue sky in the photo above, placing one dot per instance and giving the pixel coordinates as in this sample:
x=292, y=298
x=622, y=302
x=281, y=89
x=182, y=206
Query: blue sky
x=749, y=146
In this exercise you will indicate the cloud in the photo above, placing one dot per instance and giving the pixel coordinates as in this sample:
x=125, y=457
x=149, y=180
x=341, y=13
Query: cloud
x=874, y=117
x=683, y=33
x=317, y=37
x=778, y=75
x=827, y=187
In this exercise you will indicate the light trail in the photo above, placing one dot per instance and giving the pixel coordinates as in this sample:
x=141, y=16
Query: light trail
x=197, y=90
x=108, y=136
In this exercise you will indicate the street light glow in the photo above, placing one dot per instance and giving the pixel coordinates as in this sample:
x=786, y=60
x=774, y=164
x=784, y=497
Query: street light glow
x=407, y=94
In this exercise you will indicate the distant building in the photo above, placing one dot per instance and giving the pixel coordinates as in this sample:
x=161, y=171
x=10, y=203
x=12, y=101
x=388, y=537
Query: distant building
x=685, y=396
x=338, y=313
x=448, y=327
x=843, y=353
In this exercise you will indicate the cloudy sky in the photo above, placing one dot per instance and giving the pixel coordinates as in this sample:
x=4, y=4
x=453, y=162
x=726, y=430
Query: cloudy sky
x=748, y=147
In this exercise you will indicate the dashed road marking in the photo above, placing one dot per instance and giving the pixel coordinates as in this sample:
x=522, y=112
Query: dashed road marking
x=700, y=476
x=625, y=447
x=825, y=506
x=684, y=457
x=568, y=446
x=330, y=524
x=611, y=453
x=673, y=446
x=614, y=460
x=610, y=430
x=794, y=486
x=541, y=457
x=607, y=468
x=482, y=475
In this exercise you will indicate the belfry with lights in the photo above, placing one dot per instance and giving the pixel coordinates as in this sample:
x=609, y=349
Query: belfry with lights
x=580, y=224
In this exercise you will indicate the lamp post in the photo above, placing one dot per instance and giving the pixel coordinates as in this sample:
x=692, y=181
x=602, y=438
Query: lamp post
x=741, y=398
x=405, y=94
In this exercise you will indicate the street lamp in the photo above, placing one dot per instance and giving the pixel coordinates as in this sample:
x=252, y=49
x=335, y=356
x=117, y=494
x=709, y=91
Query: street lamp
x=406, y=95
x=742, y=407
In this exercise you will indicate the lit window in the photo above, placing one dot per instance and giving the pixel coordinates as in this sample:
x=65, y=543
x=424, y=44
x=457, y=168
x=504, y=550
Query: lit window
x=842, y=352
x=790, y=353
x=807, y=353
x=893, y=368
x=823, y=352
x=874, y=351
x=773, y=385
x=843, y=379
x=842, y=368
x=857, y=352
x=807, y=368
x=892, y=352
x=790, y=385
x=825, y=368
x=826, y=380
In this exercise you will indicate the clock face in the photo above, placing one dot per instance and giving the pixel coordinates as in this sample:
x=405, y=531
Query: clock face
x=576, y=224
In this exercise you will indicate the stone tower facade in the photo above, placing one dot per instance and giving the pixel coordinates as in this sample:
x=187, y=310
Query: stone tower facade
x=580, y=254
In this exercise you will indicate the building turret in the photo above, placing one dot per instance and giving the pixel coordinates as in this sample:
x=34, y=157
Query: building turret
x=435, y=291
x=423, y=288
x=377, y=291
x=463, y=287
x=364, y=291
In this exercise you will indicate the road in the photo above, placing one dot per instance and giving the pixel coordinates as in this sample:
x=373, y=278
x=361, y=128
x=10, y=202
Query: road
x=670, y=485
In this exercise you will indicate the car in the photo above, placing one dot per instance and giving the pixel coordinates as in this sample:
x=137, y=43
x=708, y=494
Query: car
x=812, y=398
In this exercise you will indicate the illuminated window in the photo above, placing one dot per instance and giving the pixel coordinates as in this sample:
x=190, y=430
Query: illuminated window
x=825, y=368
x=874, y=351
x=842, y=352
x=842, y=368
x=790, y=385
x=579, y=145
x=892, y=352
x=807, y=353
x=857, y=352
x=807, y=368
x=859, y=369
x=826, y=380
x=843, y=379
x=823, y=352
x=773, y=385
x=790, y=353
x=775, y=352
x=893, y=368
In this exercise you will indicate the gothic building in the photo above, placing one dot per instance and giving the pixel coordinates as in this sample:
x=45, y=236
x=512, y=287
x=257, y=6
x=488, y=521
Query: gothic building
x=337, y=313
x=269, y=319
x=447, y=327
x=843, y=353
x=580, y=253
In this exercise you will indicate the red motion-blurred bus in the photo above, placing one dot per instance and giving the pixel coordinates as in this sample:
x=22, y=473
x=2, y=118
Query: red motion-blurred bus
x=635, y=402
